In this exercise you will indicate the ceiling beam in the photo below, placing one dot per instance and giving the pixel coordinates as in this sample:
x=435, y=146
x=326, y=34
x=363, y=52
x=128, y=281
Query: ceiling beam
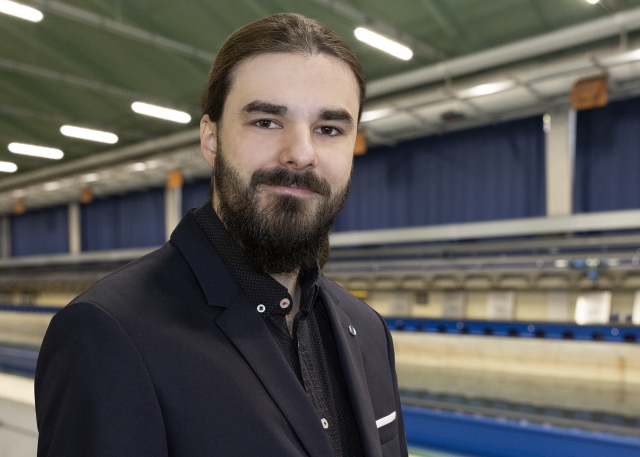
x=92, y=162
x=448, y=19
x=87, y=84
x=417, y=46
x=119, y=28
x=558, y=40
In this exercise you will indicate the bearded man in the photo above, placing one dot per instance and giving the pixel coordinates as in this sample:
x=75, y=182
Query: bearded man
x=228, y=340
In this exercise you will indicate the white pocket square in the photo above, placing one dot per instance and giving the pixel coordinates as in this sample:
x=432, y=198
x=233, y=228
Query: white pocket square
x=386, y=420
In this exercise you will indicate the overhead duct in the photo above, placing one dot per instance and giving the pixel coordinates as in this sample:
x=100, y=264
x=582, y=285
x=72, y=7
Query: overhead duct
x=531, y=47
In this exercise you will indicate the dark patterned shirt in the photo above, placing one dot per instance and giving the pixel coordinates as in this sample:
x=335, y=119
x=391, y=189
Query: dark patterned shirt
x=310, y=349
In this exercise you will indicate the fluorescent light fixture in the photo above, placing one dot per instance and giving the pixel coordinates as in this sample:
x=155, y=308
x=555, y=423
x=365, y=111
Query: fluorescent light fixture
x=19, y=193
x=51, y=186
x=22, y=11
x=561, y=263
x=160, y=112
x=88, y=134
x=151, y=164
x=372, y=115
x=91, y=177
x=383, y=43
x=8, y=167
x=139, y=166
x=593, y=2
x=486, y=89
x=36, y=151
x=626, y=57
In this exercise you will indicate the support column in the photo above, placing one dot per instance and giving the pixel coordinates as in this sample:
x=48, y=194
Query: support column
x=5, y=237
x=560, y=126
x=75, y=240
x=172, y=201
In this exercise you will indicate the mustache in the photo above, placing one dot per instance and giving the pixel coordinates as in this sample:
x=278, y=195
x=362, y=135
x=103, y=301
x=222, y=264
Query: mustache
x=283, y=177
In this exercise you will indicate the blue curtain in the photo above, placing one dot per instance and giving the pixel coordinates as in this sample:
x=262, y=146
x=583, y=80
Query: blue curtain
x=607, y=163
x=194, y=194
x=43, y=231
x=487, y=173
x=125, y=221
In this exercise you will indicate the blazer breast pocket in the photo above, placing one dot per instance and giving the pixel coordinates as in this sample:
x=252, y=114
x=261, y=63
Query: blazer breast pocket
x=387, y=427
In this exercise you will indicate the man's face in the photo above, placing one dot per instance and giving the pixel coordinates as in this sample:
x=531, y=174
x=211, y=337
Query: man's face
x=282, y=154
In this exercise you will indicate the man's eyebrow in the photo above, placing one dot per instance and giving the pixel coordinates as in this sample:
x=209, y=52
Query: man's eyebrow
x=336, y=115
x=258, y=106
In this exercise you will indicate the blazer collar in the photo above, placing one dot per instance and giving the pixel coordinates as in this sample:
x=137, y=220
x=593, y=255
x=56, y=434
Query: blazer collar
x=216, y=282
x=353, y=371
x=242, y=324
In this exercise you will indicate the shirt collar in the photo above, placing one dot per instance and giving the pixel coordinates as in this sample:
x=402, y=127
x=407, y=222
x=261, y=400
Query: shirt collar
x=260, y=287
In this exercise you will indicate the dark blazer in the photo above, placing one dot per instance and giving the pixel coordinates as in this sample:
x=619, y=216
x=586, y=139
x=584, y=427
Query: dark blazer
x=168, y=357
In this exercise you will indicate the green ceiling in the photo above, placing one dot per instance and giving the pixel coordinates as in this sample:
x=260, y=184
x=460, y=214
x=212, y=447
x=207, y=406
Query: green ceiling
x=68, y=70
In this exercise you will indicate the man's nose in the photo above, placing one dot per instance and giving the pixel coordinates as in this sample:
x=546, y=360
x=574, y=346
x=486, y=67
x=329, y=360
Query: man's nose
x=298, y=151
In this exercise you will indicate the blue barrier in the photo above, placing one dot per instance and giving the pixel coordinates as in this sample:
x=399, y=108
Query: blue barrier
x=18, y=360
x=30, y=309
x=493, y=437
x=617, y=333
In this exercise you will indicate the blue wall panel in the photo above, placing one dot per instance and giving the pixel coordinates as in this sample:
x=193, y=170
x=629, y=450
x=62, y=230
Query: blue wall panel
x=493, y=437
x=487, y=173
x=607, y=162
x=43, y=231
x=124, y=221
x=194, y=194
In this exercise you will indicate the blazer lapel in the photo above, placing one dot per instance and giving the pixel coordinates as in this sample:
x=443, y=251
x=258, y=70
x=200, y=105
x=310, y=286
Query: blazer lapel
x=245, y=328
x=242, y=324
x=353, y=371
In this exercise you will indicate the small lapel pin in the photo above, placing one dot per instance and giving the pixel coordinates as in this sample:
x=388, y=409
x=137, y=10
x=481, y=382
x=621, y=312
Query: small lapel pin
x=352, y=330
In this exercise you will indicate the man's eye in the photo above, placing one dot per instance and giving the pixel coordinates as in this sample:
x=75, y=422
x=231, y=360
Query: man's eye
x=266, y=124
x=329, y=131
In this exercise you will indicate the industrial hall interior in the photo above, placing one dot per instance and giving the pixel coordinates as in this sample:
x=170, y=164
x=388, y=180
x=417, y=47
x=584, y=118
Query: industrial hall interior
x=493, y=219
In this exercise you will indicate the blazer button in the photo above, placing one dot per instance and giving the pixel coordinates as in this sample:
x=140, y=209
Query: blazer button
x=261, y=308
x=352, y=330
x=325, y=423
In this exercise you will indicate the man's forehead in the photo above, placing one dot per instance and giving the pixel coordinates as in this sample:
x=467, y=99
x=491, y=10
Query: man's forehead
x=285, y=79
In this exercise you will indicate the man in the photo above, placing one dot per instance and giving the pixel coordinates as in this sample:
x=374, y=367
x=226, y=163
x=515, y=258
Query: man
x=228, y=341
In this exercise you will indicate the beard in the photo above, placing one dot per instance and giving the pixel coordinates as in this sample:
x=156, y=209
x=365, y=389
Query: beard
x=283, y=235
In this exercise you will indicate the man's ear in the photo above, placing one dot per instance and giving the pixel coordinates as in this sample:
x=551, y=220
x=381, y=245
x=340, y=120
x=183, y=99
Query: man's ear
x=208, y=139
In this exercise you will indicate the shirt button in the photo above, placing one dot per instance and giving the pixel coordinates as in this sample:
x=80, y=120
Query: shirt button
x=284, y=303
x=352, y=330
x=261, y=308
x=325, y=424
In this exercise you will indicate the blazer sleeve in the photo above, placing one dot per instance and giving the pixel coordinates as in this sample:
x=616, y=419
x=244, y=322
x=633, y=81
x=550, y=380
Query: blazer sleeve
x=392, y=363
x=94, y=396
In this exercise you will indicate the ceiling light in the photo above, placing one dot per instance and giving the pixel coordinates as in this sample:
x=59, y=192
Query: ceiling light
x=160, y=112
x=372, y=115
x=36, y=151
x=139, y=166
x=21, y=11
x=593, y=2
x=91, y=177
x=8, y=167
x=619, y=59
x=88, y=134
x=51, y=186
x=486, y=89
x=383, y=43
